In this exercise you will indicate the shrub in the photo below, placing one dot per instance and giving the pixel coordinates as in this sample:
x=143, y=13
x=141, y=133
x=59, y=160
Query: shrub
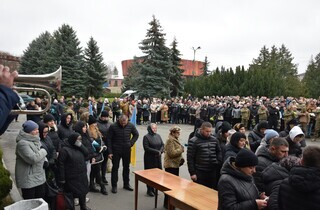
x=5, y=181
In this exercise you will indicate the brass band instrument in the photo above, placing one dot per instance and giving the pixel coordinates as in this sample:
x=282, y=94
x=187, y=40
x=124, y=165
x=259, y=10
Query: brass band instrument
x=50, y=81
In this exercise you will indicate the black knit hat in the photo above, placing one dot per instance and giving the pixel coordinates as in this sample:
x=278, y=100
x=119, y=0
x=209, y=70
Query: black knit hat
x=104, y=114
x=92, y=120
x=263, y=124
x=225, y=127
x=48, y=118
x=246, y=158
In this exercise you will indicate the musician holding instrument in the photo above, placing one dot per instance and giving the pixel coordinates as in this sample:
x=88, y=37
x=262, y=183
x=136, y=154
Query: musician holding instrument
x=8, y=98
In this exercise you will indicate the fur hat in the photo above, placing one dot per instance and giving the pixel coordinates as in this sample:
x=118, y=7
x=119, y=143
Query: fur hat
x=246, y=158
x=289, y=162
x=29, y=126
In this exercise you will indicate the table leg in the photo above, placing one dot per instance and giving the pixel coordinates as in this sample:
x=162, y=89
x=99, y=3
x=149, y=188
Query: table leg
x=170, y=206
x=156, y=198
x=136, y=193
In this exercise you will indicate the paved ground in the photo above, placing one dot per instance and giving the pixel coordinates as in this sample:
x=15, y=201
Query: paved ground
x=123, y=200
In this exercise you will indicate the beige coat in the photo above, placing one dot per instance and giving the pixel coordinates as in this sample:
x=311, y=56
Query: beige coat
x=172, y=152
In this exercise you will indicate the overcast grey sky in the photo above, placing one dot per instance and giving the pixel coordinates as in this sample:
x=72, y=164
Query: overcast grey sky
x=230, y=32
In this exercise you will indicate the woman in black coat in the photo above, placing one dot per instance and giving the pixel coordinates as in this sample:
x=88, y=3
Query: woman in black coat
x=236, y=189
x=72, y=169
x=65, y=127
x=153, y=147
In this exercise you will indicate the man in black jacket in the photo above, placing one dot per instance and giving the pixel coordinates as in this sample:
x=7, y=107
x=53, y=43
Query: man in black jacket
x=301, y=190
x=204, y=157
x=119, y=147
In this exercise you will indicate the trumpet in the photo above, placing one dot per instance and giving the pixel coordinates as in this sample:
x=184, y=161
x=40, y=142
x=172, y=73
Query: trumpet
x=50, y=81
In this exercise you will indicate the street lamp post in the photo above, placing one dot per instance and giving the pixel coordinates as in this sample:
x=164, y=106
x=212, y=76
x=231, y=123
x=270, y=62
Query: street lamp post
x=194, y=59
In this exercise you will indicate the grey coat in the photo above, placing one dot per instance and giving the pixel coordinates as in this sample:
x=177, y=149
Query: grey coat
x=29, y=170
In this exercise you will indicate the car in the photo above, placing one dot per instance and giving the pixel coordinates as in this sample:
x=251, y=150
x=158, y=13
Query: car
x=22, y=105
x=26, y=98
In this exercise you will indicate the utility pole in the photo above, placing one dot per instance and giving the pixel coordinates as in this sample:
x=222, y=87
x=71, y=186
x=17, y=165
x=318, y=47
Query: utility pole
x=194, y=60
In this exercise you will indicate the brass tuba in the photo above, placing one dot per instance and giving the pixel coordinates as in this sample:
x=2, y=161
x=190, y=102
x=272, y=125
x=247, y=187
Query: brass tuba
x=50, y=81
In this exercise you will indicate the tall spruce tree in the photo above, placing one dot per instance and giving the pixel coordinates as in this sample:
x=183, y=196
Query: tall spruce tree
x=131, y=81
x=311, y=78
x=35, y=58
x=205, y=67
x=154, y=70
x=66, y=52
x=176, y=81
x=96, y=69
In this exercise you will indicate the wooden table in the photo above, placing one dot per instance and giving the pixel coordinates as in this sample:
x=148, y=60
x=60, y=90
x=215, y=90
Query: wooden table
x=196, y=197
x=160, y=180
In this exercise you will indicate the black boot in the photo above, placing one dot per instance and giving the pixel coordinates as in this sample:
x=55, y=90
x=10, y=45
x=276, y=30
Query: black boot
x=104, y=180
x=92, y=187
x=103, y=190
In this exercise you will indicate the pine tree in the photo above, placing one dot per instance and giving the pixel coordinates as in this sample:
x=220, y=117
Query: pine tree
x=35, y=58
x=66, y=51
x=205, y=67
x=115, y=71
x=154, y=72
x=96, y=69
x=176, y=80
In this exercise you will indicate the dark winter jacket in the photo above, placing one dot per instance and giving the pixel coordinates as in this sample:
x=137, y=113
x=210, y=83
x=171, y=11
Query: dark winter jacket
x=103, y=128
x=231, y=151
x=255, y=138
x=265, y=159
x=73, y=169
x=294, y=148
x=8, y=100
x=300, y=191
x=119, y=138
x=47, y=144
x=53, y=134
x=64, y=130
x=205, y=154
x=86, y=141
x=153, y=148
x=236, y=190
x=272, y=176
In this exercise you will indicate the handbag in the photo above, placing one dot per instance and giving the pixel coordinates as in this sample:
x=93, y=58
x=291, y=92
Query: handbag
x=64, y=201
x=99, y=159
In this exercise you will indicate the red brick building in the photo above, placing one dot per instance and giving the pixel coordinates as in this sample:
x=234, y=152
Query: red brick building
x=11, y=61
x=190, y=68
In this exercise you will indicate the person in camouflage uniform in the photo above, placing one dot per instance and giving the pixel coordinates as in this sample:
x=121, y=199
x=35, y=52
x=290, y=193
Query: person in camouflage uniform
x=245, y=115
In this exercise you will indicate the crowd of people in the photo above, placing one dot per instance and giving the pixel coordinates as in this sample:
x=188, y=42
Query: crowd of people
x=252, y=150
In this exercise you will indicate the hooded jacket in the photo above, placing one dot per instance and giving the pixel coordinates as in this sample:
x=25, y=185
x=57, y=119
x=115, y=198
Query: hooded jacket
x=236, y=190
x=47, y=144
x=255, y=138
x=64, y=129
x=153, y=148
x=300, y=191
x=72, y=167
x=30, y=157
